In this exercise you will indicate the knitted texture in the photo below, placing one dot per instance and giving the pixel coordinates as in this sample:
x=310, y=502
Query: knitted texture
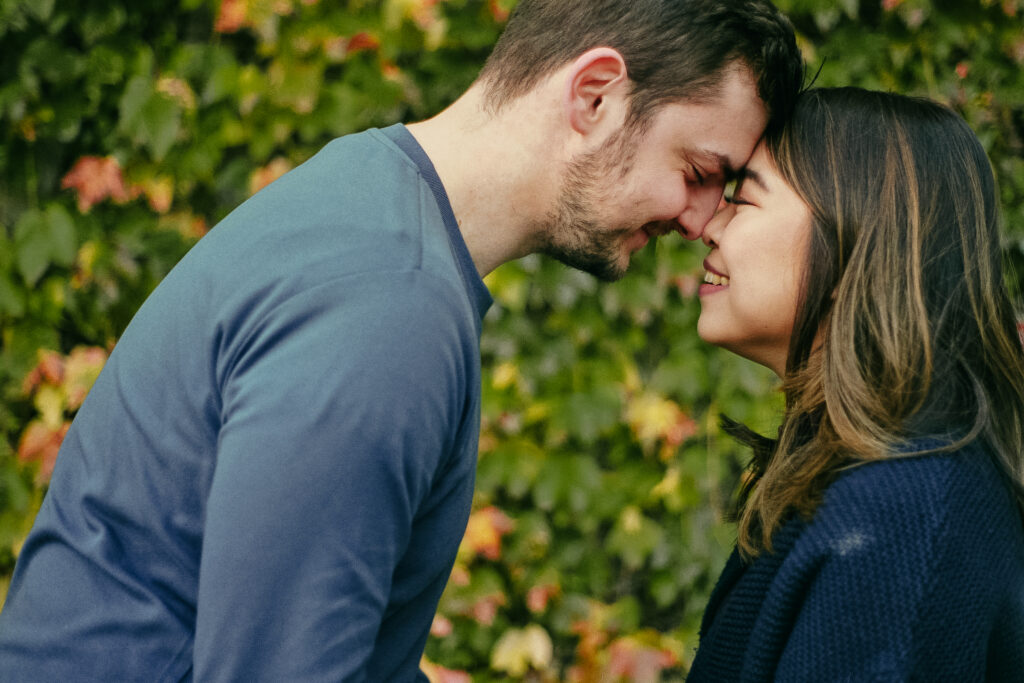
x=912, y=569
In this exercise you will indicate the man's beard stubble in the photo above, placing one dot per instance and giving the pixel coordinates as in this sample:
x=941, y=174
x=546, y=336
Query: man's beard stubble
x=574, y=233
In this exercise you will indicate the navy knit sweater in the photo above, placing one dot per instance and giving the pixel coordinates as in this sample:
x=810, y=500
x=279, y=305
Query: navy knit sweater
x=911, y=570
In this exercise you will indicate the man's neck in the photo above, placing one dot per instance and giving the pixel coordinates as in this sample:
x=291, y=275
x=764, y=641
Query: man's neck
x=499, y=171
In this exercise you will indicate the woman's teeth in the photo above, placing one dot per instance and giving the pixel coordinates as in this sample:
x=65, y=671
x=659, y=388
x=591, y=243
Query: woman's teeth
x=713, y=279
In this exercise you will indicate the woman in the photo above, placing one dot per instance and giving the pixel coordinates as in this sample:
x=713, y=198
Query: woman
x=880, y=535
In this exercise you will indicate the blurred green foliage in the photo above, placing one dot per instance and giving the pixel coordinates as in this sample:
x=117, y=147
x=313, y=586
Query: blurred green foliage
x=128, y=129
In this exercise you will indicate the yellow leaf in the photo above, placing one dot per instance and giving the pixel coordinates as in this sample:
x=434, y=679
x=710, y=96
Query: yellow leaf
x=631, y=519
x=159, y=192
x=178, y=90
x=631, y=380
x=80, y=371
x=650, y=416
x=537, y=411
x=84, y=262
x=654, y=418
x=262, y=177
x=519, y=650
x=668, y=485
x=50, y=401
x=484, y=531
x=505, y=375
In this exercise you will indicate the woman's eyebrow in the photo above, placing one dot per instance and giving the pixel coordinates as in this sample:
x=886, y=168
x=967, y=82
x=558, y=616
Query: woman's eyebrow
x=753, y=176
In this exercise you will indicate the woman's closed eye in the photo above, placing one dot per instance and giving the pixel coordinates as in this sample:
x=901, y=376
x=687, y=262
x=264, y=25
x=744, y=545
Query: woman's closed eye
x=733, y=192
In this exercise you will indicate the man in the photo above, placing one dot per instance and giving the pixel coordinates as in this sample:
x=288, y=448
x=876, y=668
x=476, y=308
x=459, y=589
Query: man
x=271, y=476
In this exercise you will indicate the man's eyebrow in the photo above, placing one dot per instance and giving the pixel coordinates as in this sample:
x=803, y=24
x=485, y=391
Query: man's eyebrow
x=728, y=170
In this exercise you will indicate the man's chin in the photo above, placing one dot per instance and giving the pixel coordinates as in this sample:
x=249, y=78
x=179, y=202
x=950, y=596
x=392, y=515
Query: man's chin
x=603, y=269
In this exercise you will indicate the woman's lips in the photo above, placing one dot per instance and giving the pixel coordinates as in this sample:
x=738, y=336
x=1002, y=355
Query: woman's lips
x=714, y=280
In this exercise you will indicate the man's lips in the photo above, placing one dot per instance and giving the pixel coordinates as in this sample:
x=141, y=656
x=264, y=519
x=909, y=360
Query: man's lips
x=652, y=230
x=660, y=229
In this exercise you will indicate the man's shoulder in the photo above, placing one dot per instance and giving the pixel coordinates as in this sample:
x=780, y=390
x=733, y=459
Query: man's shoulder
x=368, y=151
x=361, y=174
x=358, y=207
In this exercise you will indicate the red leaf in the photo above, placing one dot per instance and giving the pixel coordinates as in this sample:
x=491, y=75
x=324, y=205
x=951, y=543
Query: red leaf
x=96, y=179
x=231, y=16
x=499, y=13
x=81, y=369
x=362, y=41
x=486, y=609
x=436, y=673
x=638, y=662
x=262, y=177
x=40, y=443
x=441, y=627
x=537, y=598
x=50, y=370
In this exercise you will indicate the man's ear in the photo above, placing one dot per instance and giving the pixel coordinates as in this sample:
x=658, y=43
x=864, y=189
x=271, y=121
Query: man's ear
x=596, y=90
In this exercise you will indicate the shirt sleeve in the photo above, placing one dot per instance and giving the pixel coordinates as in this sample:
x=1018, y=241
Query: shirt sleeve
x=338, y=409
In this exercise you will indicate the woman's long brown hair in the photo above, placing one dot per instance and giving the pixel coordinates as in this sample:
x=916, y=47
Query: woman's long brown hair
x=904, y=280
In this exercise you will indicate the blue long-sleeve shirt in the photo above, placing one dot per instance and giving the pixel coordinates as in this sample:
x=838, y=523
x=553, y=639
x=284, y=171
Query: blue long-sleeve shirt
x=271, y=476
x=911, y=570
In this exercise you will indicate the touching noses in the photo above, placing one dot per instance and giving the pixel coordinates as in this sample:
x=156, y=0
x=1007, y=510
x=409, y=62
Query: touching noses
x=713, y=230
x=701, y=208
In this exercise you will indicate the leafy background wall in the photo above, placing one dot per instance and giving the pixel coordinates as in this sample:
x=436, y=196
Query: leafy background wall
x=128, y=129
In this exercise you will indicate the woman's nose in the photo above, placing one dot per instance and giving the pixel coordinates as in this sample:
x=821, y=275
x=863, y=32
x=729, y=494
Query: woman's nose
x=723, y=214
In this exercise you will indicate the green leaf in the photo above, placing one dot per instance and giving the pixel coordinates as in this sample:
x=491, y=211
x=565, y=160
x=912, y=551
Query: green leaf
x=32, y=246
x=160, y=122
x=99, y=24
x=105, y=66
x=43, y=238
x=586, y=415
x=41, y=9
x=149, y=118
x=61, y=234
x=12, y=299
x=634, y=537
x=134, y=98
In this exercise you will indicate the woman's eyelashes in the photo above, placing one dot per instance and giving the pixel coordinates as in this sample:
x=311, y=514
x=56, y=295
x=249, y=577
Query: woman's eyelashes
x=734, y=191
x=732, y=186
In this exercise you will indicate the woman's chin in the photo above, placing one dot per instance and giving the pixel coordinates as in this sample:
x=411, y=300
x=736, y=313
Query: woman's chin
x=775, y=362
x=708, y=332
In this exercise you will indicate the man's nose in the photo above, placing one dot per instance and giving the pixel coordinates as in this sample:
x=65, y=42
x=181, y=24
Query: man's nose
x=700, y=209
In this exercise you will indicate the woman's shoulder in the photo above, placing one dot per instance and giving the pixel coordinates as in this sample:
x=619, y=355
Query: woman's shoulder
x=930, y=546
x=922, y=496
x=916, y=473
